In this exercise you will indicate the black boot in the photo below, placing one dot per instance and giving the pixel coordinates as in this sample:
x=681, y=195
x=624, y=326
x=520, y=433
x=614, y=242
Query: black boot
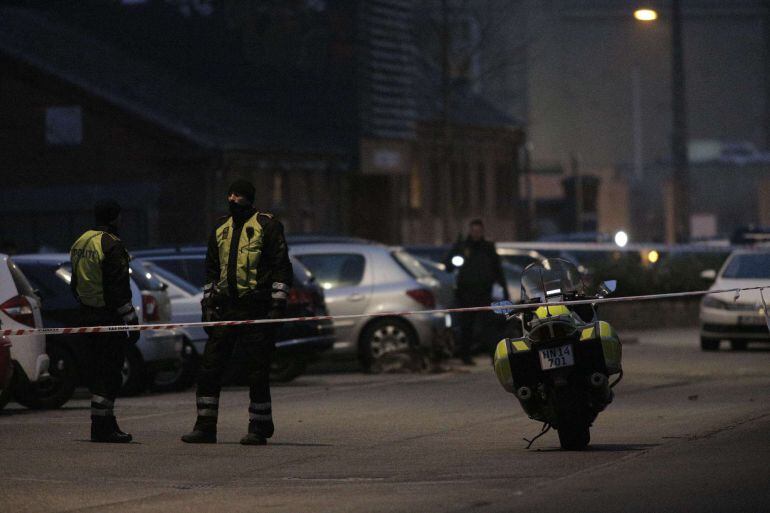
x=105, y=429
x=253, y=437
x=204, y=432
x=200, y=436
x=117, y=429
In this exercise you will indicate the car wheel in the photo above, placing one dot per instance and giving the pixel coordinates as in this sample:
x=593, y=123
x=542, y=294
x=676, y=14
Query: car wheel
x=134, y=373
x=738, y=345
x=182, y=377
x=709, y=344
x=387, y=345
x=53, y=392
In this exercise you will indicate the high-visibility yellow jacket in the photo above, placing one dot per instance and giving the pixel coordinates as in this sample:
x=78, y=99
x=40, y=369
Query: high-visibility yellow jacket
x=249, y=256
x=100, y=277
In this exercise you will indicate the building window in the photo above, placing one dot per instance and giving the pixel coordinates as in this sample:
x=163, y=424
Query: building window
x=465, y=188
x=415, y=188
x=435, y=189
x=64, y=126
x=503, y=188
x=278, y=179
x=481, y=187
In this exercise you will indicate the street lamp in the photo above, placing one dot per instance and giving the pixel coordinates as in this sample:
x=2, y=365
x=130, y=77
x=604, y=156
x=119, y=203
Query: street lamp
x=679, y=178
x=646, y=14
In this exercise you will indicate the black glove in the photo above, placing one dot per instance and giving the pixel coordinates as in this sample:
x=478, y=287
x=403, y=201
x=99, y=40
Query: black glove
x=209, y=312
x=130, y=319
x=277, y=309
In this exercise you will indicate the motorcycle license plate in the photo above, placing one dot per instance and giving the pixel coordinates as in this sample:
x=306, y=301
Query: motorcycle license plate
x=556, y=357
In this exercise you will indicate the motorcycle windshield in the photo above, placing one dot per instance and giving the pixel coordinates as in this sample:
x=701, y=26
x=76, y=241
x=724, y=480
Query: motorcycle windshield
x=550, y=280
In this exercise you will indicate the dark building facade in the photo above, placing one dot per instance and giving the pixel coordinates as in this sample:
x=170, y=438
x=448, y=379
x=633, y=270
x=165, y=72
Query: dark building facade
x=161, y=104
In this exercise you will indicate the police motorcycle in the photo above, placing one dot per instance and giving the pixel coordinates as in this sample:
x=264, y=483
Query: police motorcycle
x=559, y=370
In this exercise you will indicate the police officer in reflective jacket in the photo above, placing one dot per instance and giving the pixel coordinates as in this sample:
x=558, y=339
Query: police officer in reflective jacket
x=100, y=282
x=248, y=275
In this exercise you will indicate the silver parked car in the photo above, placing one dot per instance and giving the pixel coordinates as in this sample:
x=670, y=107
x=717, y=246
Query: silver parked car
x=369, y=278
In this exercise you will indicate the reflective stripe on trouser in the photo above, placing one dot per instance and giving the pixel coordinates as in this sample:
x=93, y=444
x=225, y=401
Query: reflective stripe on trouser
x=261, y=412
x=101, y=406
x=208, y=406
x=255, y=343
x=261, y=419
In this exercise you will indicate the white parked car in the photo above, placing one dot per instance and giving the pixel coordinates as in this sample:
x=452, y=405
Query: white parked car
x=740, y=321
x=20, y=309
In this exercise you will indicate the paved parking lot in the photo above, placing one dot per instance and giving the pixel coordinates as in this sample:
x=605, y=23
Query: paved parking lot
x=688, y=432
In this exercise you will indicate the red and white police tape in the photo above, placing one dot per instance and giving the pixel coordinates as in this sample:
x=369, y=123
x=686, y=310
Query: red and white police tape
x=497, y=308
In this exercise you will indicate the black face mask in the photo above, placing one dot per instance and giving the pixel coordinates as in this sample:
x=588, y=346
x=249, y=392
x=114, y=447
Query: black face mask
x=237, y=210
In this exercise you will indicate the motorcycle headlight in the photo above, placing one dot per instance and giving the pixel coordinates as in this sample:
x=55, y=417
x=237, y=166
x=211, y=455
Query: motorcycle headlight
x=712, y=302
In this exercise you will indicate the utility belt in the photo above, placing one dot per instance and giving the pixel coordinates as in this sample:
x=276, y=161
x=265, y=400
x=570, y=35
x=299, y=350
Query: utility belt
x=221, y=307
x=102, y=311
x=253, y=297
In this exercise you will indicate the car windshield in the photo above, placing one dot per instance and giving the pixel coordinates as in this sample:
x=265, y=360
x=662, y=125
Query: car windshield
x=22, y=285
x=550, y=280
x=46, y=279
x=144, y=278
x=333, y=270
x=170, y=277
x=190, y=269
x=519, y=259
x=748, y=266
x=411, y=265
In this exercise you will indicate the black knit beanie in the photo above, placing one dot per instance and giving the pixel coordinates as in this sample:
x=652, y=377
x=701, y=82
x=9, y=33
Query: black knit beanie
x=243, y=188
x=106, y=211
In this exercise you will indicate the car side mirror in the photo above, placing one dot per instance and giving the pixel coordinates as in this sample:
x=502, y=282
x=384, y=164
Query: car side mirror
x=608, y=287
x=709, y=274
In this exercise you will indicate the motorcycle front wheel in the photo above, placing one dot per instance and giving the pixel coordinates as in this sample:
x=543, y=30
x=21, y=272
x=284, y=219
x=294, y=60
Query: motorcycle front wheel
x=573, y=418
x=574, y=437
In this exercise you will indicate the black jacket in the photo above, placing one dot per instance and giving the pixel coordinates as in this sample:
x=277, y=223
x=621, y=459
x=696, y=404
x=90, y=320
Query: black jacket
x=274, y=265
x=481, y=268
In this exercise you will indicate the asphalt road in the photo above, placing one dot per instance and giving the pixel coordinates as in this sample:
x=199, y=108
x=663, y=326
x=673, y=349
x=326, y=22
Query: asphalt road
x=688, y=431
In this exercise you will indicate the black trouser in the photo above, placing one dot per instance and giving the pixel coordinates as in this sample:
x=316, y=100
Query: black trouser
x=106, y=353
x=468, y=320
x=256, y=342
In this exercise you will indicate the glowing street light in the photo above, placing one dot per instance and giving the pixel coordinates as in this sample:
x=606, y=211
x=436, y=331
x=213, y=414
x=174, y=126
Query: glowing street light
x=621, y=239
x=646, y=14
x=680, y=231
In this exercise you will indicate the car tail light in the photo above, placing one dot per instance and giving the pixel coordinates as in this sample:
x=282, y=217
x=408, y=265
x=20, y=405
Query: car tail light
x=300, y=297
x=423, y=296
x=150, y=309
x=20, y=310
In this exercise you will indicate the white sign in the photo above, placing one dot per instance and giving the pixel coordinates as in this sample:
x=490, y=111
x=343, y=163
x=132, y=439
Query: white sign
x=388, y=160
x=703, y=226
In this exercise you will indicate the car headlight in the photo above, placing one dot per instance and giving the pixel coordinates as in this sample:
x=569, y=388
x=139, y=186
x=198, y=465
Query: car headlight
x=712, y=302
